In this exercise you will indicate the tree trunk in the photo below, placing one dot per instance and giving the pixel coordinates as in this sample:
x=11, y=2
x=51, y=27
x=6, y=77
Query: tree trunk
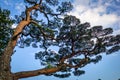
x=5, y=58
x=5, y=69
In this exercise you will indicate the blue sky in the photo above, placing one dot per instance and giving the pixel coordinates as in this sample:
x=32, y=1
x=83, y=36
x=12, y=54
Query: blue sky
x=97, y=12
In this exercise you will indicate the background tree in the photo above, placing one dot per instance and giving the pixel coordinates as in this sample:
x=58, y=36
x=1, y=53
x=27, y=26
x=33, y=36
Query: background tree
x=78, y=44
x=5, y=28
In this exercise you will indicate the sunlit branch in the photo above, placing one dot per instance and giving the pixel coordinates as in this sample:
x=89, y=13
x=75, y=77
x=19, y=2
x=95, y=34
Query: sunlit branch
x=25, y=74
x=28, y=10
x=19, y=29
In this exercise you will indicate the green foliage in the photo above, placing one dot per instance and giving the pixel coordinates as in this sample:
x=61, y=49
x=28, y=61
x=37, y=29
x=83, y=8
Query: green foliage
x=78, y=44
x=78, y=39
x=78, y=72
x=62, y=75
x=5, y=28
x=47, y=26
x=49, y=65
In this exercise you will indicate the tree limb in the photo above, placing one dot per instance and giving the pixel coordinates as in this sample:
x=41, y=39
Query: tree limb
x=28, y=10
x=25, y=74
x=6, y=57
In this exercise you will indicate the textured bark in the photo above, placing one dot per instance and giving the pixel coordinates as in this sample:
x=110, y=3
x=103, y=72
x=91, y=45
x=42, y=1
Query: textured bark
x=25, y=74
x=5, y=59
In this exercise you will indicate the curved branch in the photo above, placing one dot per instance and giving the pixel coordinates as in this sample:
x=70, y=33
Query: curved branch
x=25, y=74
x=23, y=23
x=28, y=10
x=6, y=57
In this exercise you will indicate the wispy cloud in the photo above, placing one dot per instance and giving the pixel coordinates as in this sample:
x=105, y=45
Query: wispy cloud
x=20, y=7
x=6, y=2
x=95, y=13
x=117, y=32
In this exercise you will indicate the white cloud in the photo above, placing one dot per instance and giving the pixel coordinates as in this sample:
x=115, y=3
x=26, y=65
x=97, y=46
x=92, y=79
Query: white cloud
x=116, y=32
x=14, y=26
x=96, y=15
x=81, y=2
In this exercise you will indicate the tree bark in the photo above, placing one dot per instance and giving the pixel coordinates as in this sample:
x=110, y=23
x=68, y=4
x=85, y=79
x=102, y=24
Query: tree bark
x=5, y=59
x=26, y=74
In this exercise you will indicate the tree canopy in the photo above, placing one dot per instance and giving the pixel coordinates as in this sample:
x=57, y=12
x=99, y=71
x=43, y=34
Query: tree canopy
x=78, y=45
x=45, y=24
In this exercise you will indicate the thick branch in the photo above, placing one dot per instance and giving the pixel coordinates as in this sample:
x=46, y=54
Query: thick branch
x=23, y=23
x=19, y=29
x=25, y=74
x=28, y=10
